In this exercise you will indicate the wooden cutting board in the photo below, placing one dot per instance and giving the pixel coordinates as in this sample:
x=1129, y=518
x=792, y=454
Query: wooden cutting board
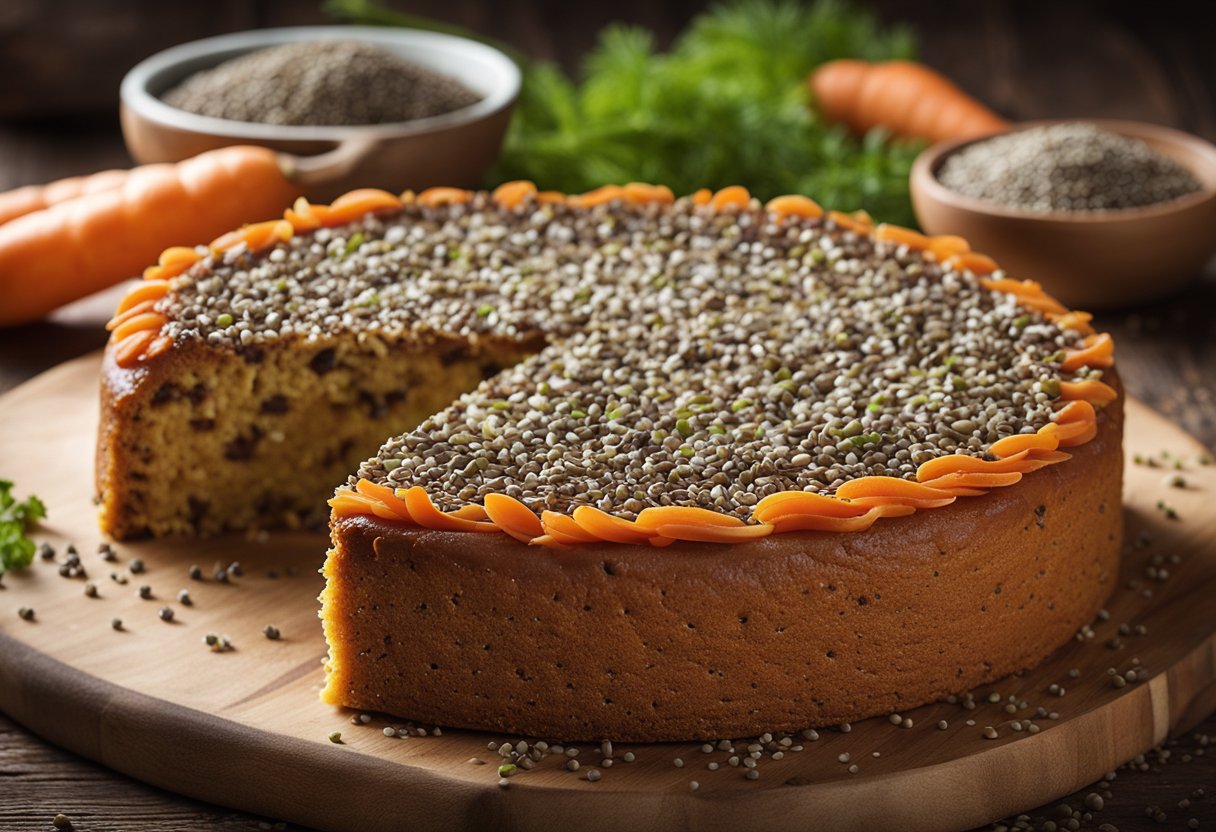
x=245, y=729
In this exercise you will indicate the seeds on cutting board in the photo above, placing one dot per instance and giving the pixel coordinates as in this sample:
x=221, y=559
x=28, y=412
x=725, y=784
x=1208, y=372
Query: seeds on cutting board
x=90, y=589
x=136, y=566
x=1066, y=167
x=218, y=643
x=116, y=623
x=323, y=83
x=271, y=632
x=26, y=613
x=166, y=614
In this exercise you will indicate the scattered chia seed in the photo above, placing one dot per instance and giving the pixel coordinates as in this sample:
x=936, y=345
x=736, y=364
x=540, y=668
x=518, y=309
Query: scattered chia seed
x=1066, y=167
x=46, y=551
x=271, y=632
x=26, y=613
x=218, y=643
x=145, y=592
x=166, y=614
x=183, y=598
x=90, y=589
x=136, y=566
x=116, y=623
x=334, y=82
x=107, y=553
x=196, y=572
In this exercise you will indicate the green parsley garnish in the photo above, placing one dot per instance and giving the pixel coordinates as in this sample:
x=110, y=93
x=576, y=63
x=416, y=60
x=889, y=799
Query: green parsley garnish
x=16, y=548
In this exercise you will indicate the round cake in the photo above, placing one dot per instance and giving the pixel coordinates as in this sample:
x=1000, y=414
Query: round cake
x=658, y=468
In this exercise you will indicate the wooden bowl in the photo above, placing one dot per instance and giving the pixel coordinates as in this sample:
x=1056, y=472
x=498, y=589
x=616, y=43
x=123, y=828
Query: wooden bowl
x=1086, y=259
x=455, y=148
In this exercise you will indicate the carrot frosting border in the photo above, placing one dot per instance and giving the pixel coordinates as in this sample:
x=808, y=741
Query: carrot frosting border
x=136, y=336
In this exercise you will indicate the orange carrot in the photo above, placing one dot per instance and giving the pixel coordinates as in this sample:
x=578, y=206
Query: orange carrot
x=73, y=248
x=21, y=201
x=905, y=97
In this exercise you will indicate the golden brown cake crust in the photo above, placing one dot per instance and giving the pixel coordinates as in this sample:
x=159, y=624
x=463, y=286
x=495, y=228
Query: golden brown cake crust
x=705, y=641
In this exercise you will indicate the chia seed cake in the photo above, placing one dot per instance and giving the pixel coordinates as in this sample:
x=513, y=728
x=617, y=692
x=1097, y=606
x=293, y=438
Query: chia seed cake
x=658, y=468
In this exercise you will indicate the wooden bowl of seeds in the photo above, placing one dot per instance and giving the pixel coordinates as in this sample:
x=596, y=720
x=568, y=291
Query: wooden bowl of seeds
x=1103, y=213
x=349, y=106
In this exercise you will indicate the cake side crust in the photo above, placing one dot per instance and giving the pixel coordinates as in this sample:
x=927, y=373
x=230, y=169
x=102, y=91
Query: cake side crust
x=704, y=641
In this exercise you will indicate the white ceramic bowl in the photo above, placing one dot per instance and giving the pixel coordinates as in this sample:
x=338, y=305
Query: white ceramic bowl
x=455, y=148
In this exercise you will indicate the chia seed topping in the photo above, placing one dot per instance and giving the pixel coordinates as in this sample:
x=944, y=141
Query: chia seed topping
x=693, y=357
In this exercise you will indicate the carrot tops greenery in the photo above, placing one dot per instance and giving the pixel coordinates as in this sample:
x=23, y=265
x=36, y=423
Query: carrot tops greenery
x=727, y=104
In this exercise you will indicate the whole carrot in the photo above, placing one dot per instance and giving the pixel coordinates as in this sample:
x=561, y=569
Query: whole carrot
x=26, y=200
x=73, y=248
x=905, y=97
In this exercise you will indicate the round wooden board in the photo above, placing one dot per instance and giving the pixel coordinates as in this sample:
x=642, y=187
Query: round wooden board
x=245, y=728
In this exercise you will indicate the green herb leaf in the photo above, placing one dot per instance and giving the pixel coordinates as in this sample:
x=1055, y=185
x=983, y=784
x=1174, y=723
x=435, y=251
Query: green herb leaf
x=16, y=518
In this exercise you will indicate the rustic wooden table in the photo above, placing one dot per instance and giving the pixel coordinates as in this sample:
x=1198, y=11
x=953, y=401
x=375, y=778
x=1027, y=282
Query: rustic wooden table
x=1029, y=60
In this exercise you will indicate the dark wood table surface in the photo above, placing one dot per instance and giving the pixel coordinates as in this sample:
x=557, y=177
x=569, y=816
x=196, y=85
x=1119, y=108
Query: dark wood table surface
x=1152, y=62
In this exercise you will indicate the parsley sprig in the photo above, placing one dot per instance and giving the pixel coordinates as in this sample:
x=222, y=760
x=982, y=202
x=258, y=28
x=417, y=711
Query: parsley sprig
x=16, y=518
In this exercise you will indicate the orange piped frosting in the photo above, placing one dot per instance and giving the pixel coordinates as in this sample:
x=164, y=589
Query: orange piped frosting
x=857, y=504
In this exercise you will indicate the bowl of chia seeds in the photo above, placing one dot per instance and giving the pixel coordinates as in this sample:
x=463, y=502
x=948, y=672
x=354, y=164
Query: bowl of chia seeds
x=354, y=106
x=1103, y=213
